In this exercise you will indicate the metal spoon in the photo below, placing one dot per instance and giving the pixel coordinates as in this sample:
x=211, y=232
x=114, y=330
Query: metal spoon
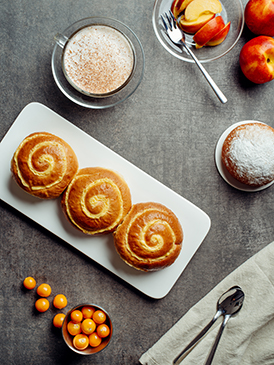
x=228, y=304
x=231, y=305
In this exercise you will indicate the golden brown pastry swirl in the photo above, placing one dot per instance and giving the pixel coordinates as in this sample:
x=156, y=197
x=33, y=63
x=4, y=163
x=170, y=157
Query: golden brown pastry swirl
x=97, y=200
x=150, y=237
x=43, y=165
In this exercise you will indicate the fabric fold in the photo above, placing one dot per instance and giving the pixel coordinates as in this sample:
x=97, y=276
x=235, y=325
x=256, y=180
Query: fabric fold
x=248, y=337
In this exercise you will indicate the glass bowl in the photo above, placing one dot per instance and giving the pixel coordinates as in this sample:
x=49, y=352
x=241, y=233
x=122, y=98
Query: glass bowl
x=68, y=338
x=92, y=101
x=233, y=11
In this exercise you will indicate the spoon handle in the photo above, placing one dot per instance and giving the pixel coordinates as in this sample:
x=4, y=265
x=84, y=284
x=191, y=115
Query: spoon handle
x=209, y=79
x=186, y=350
x=219, y=334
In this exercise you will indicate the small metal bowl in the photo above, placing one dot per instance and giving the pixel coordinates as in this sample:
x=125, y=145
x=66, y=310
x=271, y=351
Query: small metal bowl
x=89, y=350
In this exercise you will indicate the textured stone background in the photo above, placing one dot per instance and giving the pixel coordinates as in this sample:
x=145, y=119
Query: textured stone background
x=169, y=129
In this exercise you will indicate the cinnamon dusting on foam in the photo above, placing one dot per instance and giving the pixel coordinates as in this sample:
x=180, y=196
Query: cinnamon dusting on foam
x=98, y=59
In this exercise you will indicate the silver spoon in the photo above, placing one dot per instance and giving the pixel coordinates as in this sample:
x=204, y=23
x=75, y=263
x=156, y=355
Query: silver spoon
x=228, y=304
x=231, y=306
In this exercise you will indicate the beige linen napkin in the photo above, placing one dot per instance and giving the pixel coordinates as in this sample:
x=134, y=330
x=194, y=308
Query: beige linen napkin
x=248, y=337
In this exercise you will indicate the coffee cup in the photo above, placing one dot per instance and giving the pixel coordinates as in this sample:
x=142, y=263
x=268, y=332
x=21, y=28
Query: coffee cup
x=98, y=59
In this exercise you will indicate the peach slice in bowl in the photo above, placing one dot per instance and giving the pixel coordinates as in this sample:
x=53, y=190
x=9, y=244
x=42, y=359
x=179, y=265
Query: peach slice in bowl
x=208, y=31
x=196, y=8
x=219, y=37
x=193, y=26
x=178, y=6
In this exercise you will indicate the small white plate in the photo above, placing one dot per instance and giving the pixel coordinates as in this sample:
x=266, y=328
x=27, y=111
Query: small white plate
x=48, y=213
x=222, y=169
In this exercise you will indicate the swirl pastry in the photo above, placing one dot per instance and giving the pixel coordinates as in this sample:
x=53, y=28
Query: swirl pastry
x=96, y=200
x=43, y=165
x=150, y=237
x=248, y=154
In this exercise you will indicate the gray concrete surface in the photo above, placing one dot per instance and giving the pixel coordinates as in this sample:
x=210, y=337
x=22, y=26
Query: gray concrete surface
x=169, y=129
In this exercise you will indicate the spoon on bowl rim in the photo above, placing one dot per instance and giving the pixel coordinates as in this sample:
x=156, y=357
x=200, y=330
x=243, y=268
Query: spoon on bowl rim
x=228, y=304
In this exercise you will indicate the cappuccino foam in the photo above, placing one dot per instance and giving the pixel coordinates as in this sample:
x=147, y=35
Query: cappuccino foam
x=98, y=59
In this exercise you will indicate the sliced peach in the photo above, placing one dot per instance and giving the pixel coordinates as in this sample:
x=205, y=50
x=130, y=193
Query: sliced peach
x=194, y=26
x=199, y=7
x=178, y=6
x=208, y=31
x=184, y=4
x=219, y=37
x=175, y=7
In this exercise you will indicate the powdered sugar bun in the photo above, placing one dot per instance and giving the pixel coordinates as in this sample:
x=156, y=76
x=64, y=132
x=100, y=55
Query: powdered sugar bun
x=248, y=154
x=150, y=237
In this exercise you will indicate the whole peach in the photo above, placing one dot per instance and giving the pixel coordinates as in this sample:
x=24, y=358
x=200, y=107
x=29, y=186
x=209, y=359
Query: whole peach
x=257, y=59
x=259, y=17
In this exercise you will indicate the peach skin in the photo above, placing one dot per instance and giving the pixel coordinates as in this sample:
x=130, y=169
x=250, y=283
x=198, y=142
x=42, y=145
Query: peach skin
x=208, y=31
x=257, y=59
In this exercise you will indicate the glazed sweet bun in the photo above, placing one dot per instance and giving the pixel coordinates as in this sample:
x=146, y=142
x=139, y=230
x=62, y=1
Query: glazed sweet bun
x=96, y=200
x=43, y=165
x=248, y=154
x=150, y=237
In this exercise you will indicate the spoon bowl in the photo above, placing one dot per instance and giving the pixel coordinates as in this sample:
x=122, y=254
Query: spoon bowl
x=231, y=301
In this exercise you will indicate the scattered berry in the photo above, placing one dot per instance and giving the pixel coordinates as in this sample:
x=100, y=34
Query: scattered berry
x=44, y=290
x=58, y=320
x=42, y=305
x=60, y=301
x=29, y=283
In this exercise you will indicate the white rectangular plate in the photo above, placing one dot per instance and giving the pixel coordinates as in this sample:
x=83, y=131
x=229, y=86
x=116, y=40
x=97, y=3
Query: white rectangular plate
x=36, y=117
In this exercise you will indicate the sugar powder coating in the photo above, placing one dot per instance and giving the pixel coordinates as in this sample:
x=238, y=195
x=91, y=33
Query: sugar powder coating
x=98, y=59
x=248, y=153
